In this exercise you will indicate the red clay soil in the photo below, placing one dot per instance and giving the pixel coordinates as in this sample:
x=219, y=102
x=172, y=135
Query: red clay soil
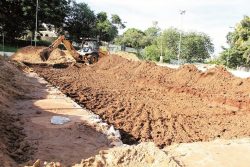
x=13, y=147
x=151, y=103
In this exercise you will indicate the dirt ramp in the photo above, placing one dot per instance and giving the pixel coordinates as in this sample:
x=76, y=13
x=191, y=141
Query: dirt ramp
x=32, y=55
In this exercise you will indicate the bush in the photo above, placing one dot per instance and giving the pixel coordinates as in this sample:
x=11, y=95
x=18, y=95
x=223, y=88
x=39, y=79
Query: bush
x=152, y=52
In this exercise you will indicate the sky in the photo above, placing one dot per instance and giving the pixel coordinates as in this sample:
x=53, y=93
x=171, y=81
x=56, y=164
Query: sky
x=213, y=17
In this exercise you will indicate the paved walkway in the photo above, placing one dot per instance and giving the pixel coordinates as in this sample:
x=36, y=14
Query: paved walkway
x=218, y=153
x=84, y=136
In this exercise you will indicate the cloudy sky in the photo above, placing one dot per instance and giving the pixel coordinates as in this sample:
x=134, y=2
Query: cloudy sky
x=214, y=17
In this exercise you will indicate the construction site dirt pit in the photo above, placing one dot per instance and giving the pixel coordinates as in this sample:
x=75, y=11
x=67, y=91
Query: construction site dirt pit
x=151, y=103
x=145, y=101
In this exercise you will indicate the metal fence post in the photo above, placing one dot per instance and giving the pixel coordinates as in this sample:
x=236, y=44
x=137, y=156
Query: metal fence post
x=3, y=45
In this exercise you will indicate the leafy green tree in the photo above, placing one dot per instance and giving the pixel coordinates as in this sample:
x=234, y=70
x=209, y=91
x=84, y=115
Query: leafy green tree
x=152, y=52
x=196, y=47
x=17, y=16
x=49, y=12
x=151, y=34
x=12, y=18
x=116, y=20
x=132, y=38
x=170, y=40
x=238, y=53
x=104, y=27
x=81, y=21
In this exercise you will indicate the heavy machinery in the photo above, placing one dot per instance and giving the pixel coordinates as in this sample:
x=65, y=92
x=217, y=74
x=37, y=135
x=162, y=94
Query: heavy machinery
x=89, y=53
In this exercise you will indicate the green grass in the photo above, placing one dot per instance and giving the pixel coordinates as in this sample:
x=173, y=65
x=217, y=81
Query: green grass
x=8, y=48
x=12, y=47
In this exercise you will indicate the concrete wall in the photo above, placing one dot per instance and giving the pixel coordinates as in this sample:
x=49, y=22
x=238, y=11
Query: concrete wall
x=6, y=53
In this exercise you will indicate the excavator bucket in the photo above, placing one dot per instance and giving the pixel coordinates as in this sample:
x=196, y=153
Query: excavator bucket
x=45, y=53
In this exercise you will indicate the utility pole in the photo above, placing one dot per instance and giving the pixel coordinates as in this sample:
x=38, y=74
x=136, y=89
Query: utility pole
x=228, y=53
x=161, y=57
x=36, y=21
x=182, y=12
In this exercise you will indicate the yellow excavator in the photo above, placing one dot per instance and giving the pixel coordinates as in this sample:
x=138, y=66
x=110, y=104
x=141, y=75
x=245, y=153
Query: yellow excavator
x=89, y=53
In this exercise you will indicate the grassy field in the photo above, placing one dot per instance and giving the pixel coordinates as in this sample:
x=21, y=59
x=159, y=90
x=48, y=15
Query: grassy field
x=8, y=48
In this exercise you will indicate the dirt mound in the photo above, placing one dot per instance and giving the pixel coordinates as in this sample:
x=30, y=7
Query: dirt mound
x=144, y=154
x=218, y=71
x=29, y=54
x=13, y=147
x=151, y=103
x=32, y=55
x=58, y=56
x=127, y=55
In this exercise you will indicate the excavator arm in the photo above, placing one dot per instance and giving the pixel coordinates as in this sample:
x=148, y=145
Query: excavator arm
x=87, y=58
x=61, y=39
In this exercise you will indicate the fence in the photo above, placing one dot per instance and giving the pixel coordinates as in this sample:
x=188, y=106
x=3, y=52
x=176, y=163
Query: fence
x=116, y=48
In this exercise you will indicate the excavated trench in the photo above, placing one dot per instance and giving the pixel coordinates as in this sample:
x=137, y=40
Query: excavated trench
x=151, y=103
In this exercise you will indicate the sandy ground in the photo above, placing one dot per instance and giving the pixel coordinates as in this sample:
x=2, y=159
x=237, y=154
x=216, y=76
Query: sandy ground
x=151, y=103
x=68, y=143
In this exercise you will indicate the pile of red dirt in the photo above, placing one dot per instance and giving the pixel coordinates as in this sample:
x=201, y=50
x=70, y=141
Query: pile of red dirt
x=13, y=147
x=151, y=103
x=32, y=55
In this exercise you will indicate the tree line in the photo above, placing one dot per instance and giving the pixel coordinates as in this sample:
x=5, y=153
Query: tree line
x=18, y=16
x=238, y=52
x=195, y=47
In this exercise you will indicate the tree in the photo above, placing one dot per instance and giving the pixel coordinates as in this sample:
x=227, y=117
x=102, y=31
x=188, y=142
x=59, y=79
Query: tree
x=139, y=39
x=151, y=34
x=196, y=47
x=49, y=12
x=18, y=16
x=238, y=53
x=152, y=52
x=167, y=43
x=80, y=22
x=12, y=19
x=170, y=40
x=116, y=20
x=104, y=27
x=132, y=38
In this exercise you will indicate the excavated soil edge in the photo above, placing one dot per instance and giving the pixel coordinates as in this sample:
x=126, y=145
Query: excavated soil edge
x=14, y=148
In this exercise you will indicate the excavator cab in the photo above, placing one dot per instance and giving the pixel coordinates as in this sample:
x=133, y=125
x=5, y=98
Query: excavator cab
x=90, y=50
x=89, y=53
